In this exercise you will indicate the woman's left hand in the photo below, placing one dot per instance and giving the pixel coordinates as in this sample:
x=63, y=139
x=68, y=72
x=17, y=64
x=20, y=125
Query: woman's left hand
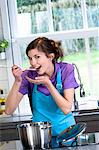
x=39, y=80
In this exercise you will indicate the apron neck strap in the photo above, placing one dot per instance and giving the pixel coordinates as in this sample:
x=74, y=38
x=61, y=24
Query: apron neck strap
x=59, y=81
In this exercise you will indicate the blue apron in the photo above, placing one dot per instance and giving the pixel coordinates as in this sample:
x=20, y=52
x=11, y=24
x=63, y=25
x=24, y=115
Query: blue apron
x=46, y=109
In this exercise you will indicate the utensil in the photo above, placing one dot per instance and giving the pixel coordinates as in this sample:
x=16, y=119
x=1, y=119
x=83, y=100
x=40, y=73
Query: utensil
x=31, y=69
x=35, y=135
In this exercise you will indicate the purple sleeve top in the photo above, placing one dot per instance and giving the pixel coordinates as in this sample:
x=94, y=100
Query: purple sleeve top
x=67, y=76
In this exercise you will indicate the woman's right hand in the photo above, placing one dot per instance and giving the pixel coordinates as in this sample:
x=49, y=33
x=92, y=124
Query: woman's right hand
x=17, y=72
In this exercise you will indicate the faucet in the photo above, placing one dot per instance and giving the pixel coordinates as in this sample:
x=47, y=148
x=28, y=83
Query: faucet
x=75, y=103
x=82, y=91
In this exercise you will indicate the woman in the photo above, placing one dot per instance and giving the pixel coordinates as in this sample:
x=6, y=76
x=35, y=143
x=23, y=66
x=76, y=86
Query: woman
x=50, y=85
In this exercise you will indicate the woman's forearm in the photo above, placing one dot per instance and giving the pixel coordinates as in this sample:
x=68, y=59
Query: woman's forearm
x=64, y=103
x=13, y=98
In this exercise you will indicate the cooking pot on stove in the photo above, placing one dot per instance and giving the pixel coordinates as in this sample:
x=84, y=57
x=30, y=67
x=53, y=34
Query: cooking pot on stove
x=35, y=135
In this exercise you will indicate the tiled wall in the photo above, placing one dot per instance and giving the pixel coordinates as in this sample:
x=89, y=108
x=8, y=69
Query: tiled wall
x=3, y=69
x=0, y=26
x=4, y=80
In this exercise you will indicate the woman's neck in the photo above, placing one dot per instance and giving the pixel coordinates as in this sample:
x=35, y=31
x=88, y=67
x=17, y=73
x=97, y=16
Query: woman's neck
x=51, y=70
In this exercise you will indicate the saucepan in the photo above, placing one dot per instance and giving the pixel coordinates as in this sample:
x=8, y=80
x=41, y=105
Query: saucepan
x=35, y=135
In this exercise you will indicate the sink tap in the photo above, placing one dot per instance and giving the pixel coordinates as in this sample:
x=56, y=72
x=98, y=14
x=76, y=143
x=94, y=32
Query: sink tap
x=75, y=103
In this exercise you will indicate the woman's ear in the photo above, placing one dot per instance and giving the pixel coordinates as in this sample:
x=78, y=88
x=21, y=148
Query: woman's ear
x=51, y=56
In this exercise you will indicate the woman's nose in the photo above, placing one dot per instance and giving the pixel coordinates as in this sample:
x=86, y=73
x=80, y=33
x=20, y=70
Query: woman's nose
x=33, y=61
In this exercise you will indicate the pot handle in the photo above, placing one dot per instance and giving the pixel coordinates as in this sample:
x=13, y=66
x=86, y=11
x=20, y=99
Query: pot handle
x=72, y=133
x=45, y=127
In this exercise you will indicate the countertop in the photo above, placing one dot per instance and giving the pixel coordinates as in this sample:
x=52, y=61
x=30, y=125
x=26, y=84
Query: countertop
x=4, y=119
x=16, y=145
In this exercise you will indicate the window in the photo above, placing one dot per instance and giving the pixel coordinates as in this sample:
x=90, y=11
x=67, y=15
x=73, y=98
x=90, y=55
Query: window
x=66, y=15
x=92, y=13
x=71, y=22
x=33, y=16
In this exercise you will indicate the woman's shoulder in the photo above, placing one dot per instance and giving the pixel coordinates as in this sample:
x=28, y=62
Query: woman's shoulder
x=65, y=66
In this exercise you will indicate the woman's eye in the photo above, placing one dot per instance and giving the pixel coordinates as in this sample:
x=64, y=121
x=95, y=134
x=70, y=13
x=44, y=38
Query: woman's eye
x=29, y=58
x=37, y=57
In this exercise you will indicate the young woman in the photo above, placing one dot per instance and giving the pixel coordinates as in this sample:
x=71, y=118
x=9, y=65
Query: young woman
x=50, y=85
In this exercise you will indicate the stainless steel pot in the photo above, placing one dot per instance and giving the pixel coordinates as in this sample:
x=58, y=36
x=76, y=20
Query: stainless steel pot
x=35, y=135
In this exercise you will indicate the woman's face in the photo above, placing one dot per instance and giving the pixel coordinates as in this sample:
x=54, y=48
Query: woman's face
x=40, y=62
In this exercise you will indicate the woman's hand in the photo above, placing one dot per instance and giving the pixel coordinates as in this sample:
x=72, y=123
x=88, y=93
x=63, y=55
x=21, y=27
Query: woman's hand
x=40, y=80
x=17, y=72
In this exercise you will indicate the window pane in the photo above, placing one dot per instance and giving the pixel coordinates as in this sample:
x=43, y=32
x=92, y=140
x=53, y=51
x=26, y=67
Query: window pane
x=67, y=14
x=32, y=16
x=93, y=13
x=75, y=53
x=94, y=44
x=24, y=58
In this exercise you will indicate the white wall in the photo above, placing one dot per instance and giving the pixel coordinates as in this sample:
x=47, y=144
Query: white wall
x=6, y=77
x=0, y=25
x=3, y=69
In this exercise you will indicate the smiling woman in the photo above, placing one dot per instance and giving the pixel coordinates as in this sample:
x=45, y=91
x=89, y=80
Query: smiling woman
x=50, y=88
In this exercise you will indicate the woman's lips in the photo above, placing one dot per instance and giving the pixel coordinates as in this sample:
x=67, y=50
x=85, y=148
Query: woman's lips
x=33, y=69
x=38, y=68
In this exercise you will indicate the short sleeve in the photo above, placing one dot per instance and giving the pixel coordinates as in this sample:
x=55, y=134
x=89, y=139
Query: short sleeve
x=68, y=77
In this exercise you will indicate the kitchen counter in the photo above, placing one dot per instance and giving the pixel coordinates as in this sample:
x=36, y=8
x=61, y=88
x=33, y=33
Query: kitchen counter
x=8, y=124
x=16, y=145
